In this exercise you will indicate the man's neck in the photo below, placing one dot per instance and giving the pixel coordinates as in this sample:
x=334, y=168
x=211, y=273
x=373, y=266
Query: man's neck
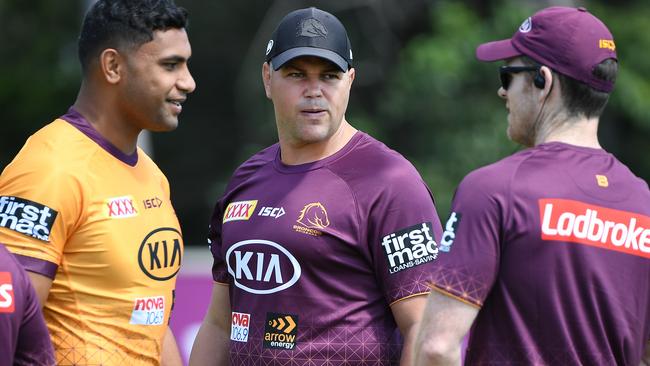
x=577, y=131
x=295, y=154
x=106, y=121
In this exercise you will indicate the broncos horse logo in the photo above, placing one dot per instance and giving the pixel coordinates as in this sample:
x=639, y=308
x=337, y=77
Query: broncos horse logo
x=314, y=216
x=312, y=28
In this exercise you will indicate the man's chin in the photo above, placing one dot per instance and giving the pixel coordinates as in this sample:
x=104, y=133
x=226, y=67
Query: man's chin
x=165, y=126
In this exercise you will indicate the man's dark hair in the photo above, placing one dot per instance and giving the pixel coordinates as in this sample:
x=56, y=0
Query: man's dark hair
x=124, y=24
x=579, y=98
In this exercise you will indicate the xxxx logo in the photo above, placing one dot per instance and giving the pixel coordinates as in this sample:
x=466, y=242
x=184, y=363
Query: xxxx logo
x=121, y=207
x=240, y=210
x=285, y=324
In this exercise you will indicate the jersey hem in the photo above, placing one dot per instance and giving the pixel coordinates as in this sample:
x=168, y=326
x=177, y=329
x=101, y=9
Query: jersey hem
x=444, y=292
x=37, y=265
x=408, y=297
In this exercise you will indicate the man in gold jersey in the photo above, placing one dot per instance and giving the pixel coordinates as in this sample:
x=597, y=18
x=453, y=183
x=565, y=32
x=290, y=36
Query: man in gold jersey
x=88, y=213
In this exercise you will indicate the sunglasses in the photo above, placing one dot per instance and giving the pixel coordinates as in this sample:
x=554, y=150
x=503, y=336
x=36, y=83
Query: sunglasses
x=505, y=73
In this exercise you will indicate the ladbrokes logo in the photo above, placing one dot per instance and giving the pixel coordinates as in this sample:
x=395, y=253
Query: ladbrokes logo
x=27, y=217
x=578, y=222
x=240, y=210
x=160, y=254
x=7, y=304
x=280, y=331
x=121, y=207
x=262, y=266
x=409, y=247
x=148, y=311
x=312, y=219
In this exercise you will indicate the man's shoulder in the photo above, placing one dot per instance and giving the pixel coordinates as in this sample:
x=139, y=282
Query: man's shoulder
x=56, y=140
x=371, y=158
x=55, y=149
x=255, y=162
x=497, y=176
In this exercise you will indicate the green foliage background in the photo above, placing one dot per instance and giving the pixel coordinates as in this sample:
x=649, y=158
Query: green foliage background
x=418, y=88
x=445, y=104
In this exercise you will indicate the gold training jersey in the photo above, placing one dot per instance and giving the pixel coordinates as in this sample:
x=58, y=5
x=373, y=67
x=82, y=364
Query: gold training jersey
x=101, y=224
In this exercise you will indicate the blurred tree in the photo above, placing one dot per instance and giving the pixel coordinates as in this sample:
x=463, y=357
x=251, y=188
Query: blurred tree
x=38, y=59
x=441, y=109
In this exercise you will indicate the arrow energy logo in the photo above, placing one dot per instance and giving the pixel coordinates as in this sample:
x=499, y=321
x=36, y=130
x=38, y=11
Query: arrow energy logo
x=280, y=331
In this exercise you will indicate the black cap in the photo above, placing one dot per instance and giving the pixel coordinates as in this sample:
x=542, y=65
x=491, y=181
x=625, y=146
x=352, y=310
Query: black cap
x=310, y=32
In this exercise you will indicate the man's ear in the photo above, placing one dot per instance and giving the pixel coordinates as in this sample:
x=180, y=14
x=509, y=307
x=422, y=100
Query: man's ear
x=266, y=78
x=549, y=80
x=111, y=65
x=352, y=73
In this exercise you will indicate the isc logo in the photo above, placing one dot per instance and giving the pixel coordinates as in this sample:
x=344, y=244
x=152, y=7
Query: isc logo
x=152, y=203
x=262, y=266
x=7, y=304
x=607, y=43
x=148, y=311
x=240, y=210
x=274, y=212
x=121, y=207
x=239, y=327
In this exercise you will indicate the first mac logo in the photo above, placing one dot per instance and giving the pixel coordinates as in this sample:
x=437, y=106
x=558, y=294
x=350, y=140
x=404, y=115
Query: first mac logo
x=160, y=254
x=27, y=217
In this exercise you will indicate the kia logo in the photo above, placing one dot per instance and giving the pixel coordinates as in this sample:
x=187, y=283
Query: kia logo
x=262, y=266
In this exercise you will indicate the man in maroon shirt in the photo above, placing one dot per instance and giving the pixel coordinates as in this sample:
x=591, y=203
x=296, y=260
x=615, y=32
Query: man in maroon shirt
x=546, y=252
x=24, y=339
x=323, y=242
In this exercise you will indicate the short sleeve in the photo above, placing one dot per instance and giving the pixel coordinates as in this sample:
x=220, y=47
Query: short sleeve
x=33, y=346
x=468, y=262
x=403, y=230
x=40, y=206
x=219, y=265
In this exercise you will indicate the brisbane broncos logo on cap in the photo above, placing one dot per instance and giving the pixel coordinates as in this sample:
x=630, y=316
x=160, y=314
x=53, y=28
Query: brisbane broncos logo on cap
x=313, y=218
x=312, y=28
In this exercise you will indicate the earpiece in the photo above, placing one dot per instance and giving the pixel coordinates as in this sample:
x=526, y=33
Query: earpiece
x=539, y=81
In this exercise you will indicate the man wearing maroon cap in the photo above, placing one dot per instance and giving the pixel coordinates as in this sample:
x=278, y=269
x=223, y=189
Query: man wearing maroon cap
x=546, y=254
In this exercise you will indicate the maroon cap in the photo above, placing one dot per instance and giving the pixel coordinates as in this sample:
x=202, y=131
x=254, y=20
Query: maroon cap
x=570, y=41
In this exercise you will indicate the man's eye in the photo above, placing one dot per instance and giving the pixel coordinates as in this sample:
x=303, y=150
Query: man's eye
x=170, y=65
